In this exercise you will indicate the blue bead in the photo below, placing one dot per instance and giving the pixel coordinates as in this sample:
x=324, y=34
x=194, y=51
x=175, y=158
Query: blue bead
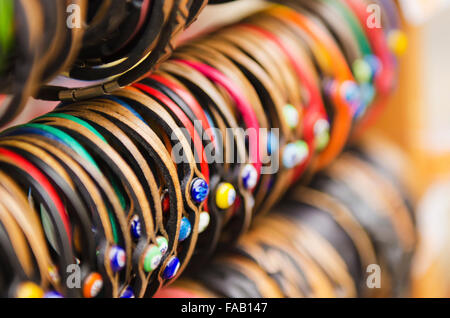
x=290, y=156
x=374, y=62
x=294, y=154
x=352, y=94
x=270, y=184
x=127, y=293
x=272, y=143
x=172, y=268
x=199, y=190
x=53, y=294
x=185, y=229
x=368, y=94
x=117, y=258
x=136, y=227
x=249, y=177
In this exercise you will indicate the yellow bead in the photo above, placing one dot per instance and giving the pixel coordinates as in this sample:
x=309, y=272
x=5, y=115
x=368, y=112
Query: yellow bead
x=54, y=275
x=398, y=42
x=225, y=196
x=29, y=290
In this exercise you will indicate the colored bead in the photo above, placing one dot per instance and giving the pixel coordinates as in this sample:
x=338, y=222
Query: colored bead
x=185, y=229
x=225, y=196
x=303, y=146
x=48, y=227
x=290, y=156
x=367, y=95
x=29, y=290
x=53, y=294
x=272, y=143
x=295, y=153
x=117, y=258
x=163, y=244
x=136, y=231
x=291, y=116
x=374, y=62
x=249, y=177
x=398, y=42
x=127, y=293
x=351, y=94
x=350, y=91
x=329, y=85
x=54, y=275
x=363, y=71
x=203, y=223
x=322, y=134
x=93, y=284
x=166, y=203
x=152, y=258
x=199, y=190
x=271, y=184
x=172, y=268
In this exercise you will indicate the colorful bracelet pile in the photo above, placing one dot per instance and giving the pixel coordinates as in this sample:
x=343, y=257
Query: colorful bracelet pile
x=351, y=233
x=134, y=187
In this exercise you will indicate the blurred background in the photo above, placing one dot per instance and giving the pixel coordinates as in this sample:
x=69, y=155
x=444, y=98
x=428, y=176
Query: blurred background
x=417, y=121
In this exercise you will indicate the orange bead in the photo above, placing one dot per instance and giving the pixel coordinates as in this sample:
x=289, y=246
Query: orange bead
x=92, y=285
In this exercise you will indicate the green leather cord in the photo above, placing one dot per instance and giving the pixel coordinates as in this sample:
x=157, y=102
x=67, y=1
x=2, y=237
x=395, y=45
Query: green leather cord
x=75, y=145
x=354, y=24
x=6, y=31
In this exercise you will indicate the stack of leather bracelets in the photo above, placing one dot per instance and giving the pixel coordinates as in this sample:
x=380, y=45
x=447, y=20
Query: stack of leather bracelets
x=130, y=188
x=112, y=42
x=351, y=233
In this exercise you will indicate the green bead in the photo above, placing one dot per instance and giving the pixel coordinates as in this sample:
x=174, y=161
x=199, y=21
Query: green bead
x=295, y=154
x=163, y=244
x=363, y=71
x=152, y=258
x=322, y=134
x=303, y=149
x=291, y=116
x=322, y=141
